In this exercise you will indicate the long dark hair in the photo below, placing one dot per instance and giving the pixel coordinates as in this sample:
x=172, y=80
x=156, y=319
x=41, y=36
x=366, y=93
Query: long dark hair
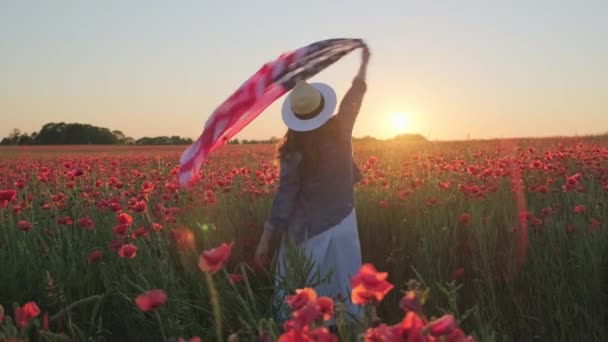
x=307, y=143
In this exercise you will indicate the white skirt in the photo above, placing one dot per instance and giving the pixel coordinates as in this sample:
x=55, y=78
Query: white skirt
x=338, y=251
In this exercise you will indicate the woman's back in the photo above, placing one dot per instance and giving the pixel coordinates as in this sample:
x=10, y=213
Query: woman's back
x=318, y=173
x=327, y=175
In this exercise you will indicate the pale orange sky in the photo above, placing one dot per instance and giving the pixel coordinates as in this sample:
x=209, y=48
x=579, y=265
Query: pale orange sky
x=457, y=69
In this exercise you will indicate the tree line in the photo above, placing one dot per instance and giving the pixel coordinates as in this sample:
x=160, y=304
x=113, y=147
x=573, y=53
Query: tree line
x=83, y=134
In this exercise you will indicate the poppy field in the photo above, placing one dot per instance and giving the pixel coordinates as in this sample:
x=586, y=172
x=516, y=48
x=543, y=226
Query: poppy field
x=482, y=240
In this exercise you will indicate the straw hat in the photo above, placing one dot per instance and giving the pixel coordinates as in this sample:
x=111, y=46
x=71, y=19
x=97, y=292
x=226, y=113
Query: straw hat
x=308, y=106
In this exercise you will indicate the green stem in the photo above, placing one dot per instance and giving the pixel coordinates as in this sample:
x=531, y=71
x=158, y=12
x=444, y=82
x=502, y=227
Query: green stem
x=73, y=305
x=246, y=306
x=370, y=313
x=374, y=315
x=54, y=337
x=160, y=324
x=215, y=302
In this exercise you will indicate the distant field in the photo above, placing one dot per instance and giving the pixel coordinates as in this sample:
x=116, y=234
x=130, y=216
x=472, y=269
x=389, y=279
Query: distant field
x=520, y=225
x=41, y=151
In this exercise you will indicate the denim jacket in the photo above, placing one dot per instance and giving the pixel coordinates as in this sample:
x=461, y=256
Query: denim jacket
x=303, y=206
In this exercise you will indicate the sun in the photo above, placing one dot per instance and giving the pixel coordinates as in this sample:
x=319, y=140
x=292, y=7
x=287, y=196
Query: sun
x=400, y=122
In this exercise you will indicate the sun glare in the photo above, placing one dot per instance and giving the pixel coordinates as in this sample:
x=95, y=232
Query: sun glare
x=400, y=122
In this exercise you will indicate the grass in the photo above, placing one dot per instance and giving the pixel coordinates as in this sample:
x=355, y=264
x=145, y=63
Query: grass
x=527, y=275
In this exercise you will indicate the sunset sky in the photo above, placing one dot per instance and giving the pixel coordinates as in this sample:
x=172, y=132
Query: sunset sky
x=477, y=68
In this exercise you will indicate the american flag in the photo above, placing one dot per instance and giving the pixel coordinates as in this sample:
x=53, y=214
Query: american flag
x=272, y=81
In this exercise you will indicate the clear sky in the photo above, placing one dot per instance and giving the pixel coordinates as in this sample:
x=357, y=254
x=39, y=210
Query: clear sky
x=452, y=68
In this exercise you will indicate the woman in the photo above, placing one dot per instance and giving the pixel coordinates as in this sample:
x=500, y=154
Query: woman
x=314, y=205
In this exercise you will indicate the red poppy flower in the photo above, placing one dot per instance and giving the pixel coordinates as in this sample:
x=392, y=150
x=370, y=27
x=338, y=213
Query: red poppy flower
x=7, y=195
x=124, y=218
x=157, y=227
x=116, y=244
x=369, y=285
x=445, y=185
x=128, y=251
x=301, y=298
x=524, y=216
x=384, y=333
x=115, y=207
x=442, y=326
x=95, y=256
x=295, y=335
x=405, y=193
x=193, y=339
x=536, y=164
x=572, y=181
x=432, y=201
x=21, y=318
x=322, y=334
x=66, y=221
x=579, y=209
x=595, y=224
x=235, y=278
x=86, y=223
x=465, y=218
x=411, y=326
x=120, y=229
x=212, y=260
x=306, y=315
x=26, y=313
x=151, y=300
x=290, y=325
x=458, y=274
x=537, y=222
x=140, y=232
x=183, y=238
x=20, y=184
x=571, y=228
x=24, y=225
x=139, y=207
x=147, y=187
x=473, y=170
x=458, y=336
x=326, y=307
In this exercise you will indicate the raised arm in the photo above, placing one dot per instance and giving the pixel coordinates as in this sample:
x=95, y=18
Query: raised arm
x=351, y=103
